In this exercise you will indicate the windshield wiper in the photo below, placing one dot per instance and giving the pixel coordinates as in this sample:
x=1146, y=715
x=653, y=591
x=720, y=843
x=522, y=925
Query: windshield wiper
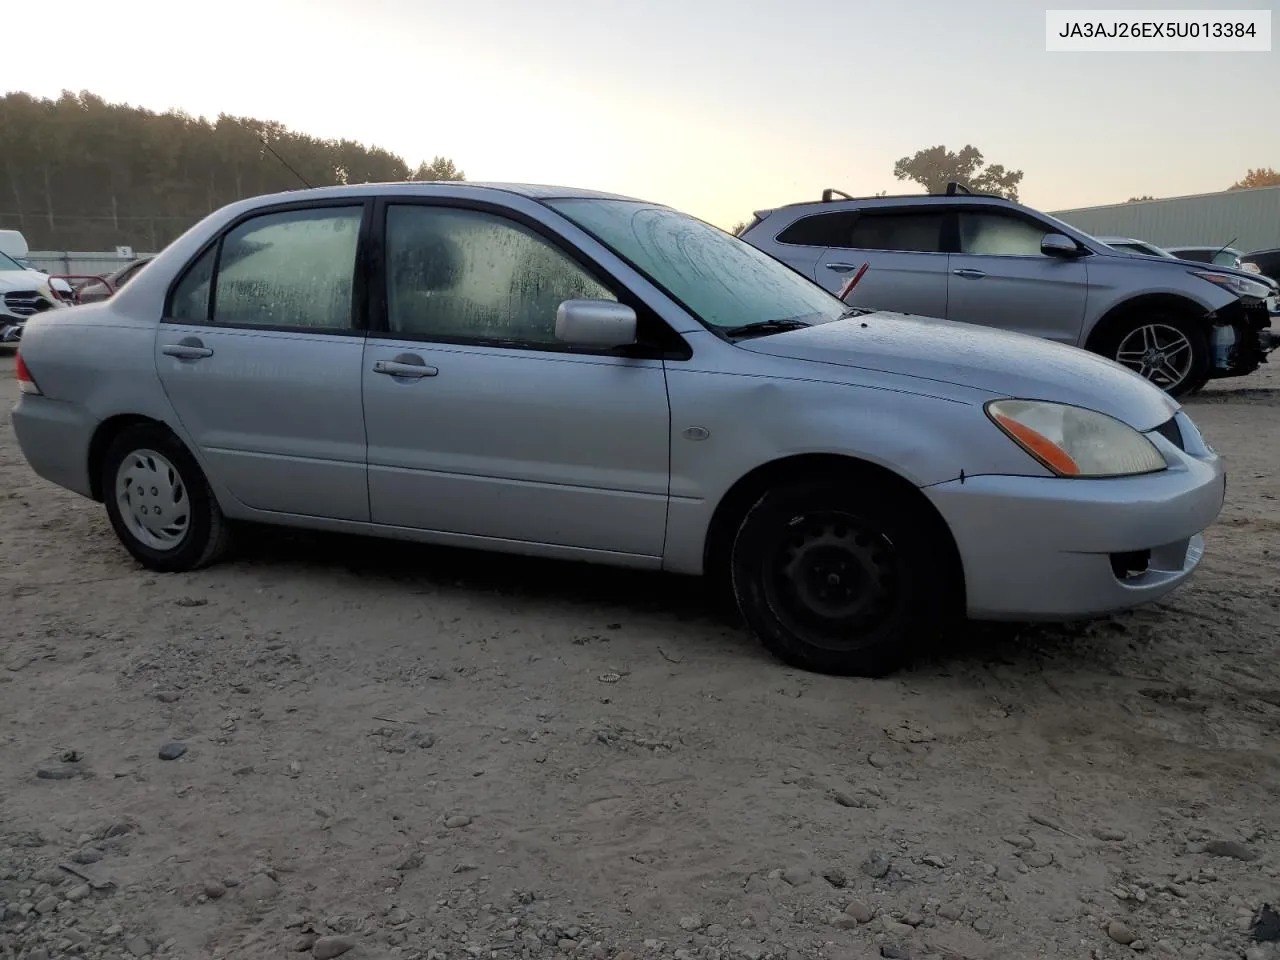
x=762, y=327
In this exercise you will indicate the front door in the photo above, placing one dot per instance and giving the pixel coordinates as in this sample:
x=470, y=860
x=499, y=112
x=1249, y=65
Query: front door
x=999, y=278
x=480, y=423
x=260, y=356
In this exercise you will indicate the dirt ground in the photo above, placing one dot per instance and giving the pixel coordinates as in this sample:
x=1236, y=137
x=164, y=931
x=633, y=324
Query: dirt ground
x=419, y=753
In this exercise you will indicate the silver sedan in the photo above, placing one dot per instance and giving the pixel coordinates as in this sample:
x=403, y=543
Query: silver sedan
x=570, y=374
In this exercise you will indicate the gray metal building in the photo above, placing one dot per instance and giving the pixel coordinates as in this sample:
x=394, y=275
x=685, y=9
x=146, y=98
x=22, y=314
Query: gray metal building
x=1245, y=219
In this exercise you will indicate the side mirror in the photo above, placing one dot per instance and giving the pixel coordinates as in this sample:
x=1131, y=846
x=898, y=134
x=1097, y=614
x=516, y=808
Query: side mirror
x=1059, y=245
x=595, y=323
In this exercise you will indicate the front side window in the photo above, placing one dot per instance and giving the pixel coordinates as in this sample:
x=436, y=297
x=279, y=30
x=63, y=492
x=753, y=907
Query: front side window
x=999, y=235
x=463, y=274
x=289, y=269
x=723, y=281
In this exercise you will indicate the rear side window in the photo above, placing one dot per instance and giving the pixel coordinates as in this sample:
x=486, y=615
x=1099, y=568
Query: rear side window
x=823, y=230
x=190, y=301
x=1200, y=256
x=912, y=231
x=290, y=269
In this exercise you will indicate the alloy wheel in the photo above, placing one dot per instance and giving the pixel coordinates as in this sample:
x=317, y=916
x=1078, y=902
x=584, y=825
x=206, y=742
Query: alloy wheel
x=1159, y=352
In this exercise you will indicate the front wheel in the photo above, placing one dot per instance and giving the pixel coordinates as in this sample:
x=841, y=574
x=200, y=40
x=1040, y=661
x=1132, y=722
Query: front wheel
x=1172, y=352
x=159, y=502
x=843, y=577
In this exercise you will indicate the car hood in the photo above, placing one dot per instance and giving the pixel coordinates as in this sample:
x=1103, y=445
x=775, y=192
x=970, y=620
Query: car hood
x=22, y=280
x=988, y=363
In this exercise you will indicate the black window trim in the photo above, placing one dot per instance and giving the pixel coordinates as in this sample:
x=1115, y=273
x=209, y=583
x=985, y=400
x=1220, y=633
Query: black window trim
x=665, y=344
x=945, y=240
x=359, y=279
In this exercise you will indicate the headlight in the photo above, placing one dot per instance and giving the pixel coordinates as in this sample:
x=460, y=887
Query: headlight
x=1075, y=442
x=1240, y=286
x=1248, y=267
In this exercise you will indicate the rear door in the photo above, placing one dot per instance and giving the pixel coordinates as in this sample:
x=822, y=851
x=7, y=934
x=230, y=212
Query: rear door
x=260, y=354
x=802, y=243
x=1000, y=278
x=904, y=254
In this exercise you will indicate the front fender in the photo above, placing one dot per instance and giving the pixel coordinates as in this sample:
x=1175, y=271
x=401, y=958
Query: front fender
x=751, y=421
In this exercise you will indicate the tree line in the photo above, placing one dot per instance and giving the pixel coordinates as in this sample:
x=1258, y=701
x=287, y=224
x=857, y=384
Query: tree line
x=80, y=173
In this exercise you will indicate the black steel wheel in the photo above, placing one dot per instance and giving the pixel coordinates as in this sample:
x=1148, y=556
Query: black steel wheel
x=843, y=577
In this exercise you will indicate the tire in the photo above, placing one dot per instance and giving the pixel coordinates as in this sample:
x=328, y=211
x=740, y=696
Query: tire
x=885, y=563
x=1127, y=340
x=191, y=532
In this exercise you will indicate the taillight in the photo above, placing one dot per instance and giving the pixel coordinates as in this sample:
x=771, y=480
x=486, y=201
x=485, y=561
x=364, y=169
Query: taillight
x=26, y=382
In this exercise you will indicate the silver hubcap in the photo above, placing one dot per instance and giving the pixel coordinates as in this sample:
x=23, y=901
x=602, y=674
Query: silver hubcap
x=153, y=500
x=1159, y=352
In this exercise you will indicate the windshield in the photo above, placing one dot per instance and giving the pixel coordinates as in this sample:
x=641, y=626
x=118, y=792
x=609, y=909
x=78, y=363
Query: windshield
x=8, y=263
x=723, y=281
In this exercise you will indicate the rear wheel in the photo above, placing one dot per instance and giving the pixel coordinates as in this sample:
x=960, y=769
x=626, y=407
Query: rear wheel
x=159, y=502
x=1170, y=351
x=843, y=578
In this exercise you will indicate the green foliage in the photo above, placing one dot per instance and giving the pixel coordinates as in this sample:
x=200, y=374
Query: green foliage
x=935, y=167
x=1145, y=196
x=78, y=173
x=441, y=168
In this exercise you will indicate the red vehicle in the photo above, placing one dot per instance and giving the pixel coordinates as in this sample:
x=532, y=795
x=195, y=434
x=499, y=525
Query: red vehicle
x=94, y=289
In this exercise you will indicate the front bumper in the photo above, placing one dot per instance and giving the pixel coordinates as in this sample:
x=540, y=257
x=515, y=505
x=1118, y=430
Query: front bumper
x=1043, y=548
x=11, y=329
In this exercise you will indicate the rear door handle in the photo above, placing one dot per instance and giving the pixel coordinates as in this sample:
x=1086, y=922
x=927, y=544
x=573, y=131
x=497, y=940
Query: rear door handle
x=969, y=274
x=842, y=267
x=403, y=368
x=188, y=348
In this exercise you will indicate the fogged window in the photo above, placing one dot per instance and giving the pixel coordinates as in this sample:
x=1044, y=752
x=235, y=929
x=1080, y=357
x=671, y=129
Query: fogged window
x=191, y=296
x=998, y=235
x=724, y=281
x=471, y=275
x=291, y=269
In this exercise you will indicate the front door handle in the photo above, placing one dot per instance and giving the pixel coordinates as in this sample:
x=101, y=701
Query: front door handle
x=969, y=274
x=842, y=267
x=188, y=348
x=406, y=365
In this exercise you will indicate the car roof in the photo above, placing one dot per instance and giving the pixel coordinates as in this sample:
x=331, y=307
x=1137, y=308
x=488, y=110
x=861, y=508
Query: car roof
x=889, y=200
x=453, y=188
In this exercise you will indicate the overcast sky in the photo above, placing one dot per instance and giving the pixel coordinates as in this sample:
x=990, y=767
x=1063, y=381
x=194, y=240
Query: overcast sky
x=718, y=107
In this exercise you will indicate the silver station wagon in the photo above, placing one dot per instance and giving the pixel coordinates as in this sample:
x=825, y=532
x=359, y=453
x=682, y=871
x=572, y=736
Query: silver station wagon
x=570, y=374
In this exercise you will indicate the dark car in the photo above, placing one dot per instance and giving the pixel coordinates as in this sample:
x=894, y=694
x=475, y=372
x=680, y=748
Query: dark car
x=1267, y=262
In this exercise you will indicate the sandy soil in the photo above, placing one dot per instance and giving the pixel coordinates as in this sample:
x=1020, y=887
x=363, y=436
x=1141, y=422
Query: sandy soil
x=410, y=752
